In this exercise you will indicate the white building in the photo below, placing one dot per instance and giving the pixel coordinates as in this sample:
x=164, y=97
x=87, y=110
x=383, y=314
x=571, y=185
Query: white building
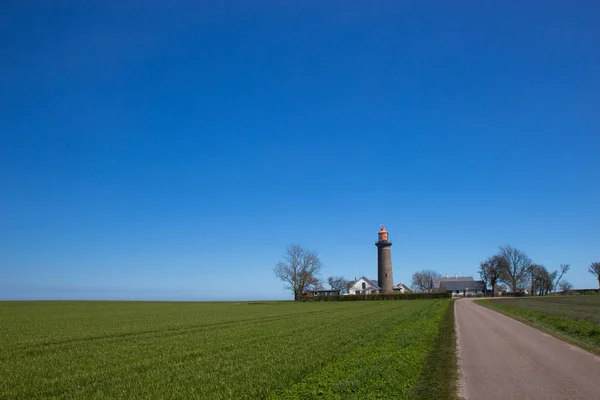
x=401, y=288
x=364, y=285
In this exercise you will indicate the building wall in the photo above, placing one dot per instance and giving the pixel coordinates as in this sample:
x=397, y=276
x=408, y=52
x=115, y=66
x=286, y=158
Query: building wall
x=460, y=293
x=324, y=293
x=358, y=287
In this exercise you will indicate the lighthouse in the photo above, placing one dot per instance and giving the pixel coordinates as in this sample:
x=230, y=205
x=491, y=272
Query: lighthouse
x=384, y=262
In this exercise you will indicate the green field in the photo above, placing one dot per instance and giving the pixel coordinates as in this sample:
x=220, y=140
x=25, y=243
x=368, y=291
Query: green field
x=354, y=350
x=572, y=318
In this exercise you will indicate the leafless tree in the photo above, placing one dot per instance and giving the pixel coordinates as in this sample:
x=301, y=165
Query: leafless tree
x=544, y=282
x=490, y=271
x=565, y=286
x=349, y=285
x=564, y=268
x=423, y=280
x=550, y=286
x=515, y=268
x=541, y=281
x=338, y=283
x=594, y=269
x=299, y=269
x=535, y=272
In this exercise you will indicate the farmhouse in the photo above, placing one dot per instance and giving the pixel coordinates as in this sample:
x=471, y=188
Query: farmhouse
x=364, y=285
x=401, y=288
x=459, y=285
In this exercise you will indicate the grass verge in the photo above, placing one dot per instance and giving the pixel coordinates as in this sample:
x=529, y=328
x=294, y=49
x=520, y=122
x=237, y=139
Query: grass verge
x=584, y=334
x=439, y=378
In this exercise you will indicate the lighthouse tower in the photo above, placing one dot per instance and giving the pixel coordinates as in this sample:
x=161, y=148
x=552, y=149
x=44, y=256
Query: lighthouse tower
x=384, y=262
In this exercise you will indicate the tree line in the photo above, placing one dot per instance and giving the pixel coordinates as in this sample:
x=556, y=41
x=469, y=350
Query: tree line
x=517, y=270
x=514, y=269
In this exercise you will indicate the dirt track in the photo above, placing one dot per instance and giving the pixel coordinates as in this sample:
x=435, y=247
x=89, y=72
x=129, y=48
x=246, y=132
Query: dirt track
x=502, y=358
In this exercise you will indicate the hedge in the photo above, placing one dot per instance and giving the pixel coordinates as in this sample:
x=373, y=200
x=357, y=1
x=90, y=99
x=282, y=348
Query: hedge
x=513, y=294
x=380, y=296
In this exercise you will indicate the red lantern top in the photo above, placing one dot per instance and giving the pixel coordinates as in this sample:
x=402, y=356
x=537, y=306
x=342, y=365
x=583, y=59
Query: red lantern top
x=383, y=234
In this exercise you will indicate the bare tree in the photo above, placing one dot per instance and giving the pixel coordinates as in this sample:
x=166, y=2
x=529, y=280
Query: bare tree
x=564, y=268
x=536, y=277
x=423, y=280
x=299, y=269
x=515, y=268
x=490, y=271
x=338, y=283
x=544, y=282
x=550, y=282
x=349, y=285
x=594, y=269
x=565, y=286
x=500, y=287
x=541, y=281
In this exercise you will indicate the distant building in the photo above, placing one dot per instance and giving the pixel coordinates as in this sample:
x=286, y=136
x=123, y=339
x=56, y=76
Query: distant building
x=437, y=282
x=401, y=288
x=364, y=285
x=459, y=285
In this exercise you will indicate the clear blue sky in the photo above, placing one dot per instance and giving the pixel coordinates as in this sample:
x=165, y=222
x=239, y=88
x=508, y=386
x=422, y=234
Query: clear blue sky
x=154, y=151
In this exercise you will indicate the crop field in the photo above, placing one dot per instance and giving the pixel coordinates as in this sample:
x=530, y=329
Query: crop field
x=344, y=350
x=573, y=318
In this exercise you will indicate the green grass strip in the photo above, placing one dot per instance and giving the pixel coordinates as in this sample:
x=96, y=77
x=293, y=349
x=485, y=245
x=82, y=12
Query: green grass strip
x=584, y=334
x=439, y=378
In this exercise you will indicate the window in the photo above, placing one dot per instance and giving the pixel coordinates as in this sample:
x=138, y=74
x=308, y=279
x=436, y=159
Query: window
x=364, y=285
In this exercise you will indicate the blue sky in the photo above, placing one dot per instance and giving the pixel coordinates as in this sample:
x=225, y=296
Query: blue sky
x=159, y=151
